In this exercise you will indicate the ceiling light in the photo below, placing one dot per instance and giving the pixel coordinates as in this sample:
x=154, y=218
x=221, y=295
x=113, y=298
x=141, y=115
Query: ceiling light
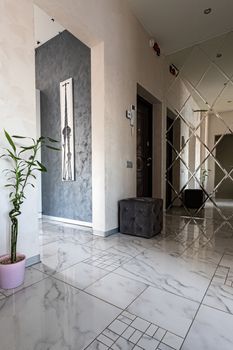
x=208, y=11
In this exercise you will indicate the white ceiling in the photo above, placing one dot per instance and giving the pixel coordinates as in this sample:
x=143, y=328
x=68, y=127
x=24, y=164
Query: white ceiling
x=44, y=27
x=177, y=24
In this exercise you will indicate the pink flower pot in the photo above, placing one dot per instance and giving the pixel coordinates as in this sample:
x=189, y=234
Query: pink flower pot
x=12, y=275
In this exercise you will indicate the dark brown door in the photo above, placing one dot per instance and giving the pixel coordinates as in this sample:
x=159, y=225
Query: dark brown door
x=225, y=158
x=144, y=148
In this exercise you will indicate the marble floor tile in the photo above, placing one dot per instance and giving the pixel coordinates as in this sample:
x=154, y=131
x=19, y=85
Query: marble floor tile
x=220, y=293
x=189, y=278
x=124, y=292
x=219, y=296
x=173, y=340
x=203, y=254
x=118, y=241
x=211, y=330
x=227, y=260
x=127, y=248
x=76, y=235
x=103, y=243
x=81, y=275
x=107, y=260
x=166, y=310
x=170, y=246
x=47, y=237
x=64, y=248
x=52, y=315
x=2, y=296
x=31, y=276
x=60, y=255
x=51, y=232
x=137, y=334
x=117, y=290
x=96, y=345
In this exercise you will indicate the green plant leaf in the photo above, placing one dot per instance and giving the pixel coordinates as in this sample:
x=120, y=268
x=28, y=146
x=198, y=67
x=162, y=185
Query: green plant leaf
x=53, y=148
x=42, y=167
x=29, y=183
x=11, y=155
x=26, y=148
x=52, y=140
x=9, y=139
x=18, y=137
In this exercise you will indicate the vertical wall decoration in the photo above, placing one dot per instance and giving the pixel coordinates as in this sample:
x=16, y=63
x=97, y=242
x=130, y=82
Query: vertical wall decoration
x=66, y=199
x=67, y=129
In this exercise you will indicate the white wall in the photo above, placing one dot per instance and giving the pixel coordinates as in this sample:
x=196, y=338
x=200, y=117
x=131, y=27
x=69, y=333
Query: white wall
x=126, y=60
x=17, y=110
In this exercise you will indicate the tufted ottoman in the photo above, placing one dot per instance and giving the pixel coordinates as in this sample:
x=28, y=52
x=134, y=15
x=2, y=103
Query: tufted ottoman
x=141, y=216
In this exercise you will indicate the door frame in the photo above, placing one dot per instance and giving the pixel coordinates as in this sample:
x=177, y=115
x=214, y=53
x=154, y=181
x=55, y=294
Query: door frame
x=157, y=141
x=216, y=137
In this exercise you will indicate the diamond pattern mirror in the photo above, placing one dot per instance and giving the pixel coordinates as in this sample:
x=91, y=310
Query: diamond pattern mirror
x=199, y=132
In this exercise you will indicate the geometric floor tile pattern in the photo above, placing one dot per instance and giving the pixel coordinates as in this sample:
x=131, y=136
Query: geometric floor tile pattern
x=155, y=305
x=131, y=332
x=171, y=292
x=220, y=292
x=107, y=261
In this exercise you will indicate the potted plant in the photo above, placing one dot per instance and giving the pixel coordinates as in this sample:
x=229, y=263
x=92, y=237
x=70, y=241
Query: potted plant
x=204, y=176
x=23, y=164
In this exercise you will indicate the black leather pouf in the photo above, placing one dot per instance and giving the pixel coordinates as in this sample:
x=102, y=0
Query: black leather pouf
x=141, y=216
x=193, y=199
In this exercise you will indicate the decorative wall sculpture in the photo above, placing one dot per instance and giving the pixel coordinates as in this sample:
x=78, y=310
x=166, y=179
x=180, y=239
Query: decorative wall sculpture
x=67, y=130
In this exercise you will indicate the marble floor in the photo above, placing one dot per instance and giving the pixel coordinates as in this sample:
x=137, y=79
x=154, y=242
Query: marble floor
x=172, y=292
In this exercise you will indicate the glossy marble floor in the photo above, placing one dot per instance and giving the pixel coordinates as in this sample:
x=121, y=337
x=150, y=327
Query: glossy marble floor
x=168, y=293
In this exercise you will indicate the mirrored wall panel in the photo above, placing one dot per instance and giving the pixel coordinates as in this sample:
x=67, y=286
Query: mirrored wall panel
x=199, y=132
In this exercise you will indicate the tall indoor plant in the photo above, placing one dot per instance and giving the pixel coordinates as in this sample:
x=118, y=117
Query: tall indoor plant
x=23, y=164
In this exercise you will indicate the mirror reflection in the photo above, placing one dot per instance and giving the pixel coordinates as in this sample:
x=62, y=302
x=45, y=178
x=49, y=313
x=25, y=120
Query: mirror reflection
x=199, y=133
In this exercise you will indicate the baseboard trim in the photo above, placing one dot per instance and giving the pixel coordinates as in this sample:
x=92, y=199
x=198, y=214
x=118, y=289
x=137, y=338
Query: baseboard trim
x=68, y=221
x=106, y=233
x=33, y=260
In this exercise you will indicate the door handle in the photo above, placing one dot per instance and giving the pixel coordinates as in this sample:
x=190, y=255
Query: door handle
x=149, y=159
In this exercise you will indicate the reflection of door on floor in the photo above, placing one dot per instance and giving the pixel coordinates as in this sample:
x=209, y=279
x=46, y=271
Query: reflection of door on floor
x=224, y=155
x=144, y=148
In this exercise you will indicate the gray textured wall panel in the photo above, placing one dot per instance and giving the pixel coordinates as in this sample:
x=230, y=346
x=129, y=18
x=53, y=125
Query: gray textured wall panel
x=61, y=58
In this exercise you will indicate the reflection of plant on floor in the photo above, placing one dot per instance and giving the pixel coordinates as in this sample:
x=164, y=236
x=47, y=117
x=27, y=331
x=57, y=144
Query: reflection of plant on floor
x=23, y=166
x=204, y=176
